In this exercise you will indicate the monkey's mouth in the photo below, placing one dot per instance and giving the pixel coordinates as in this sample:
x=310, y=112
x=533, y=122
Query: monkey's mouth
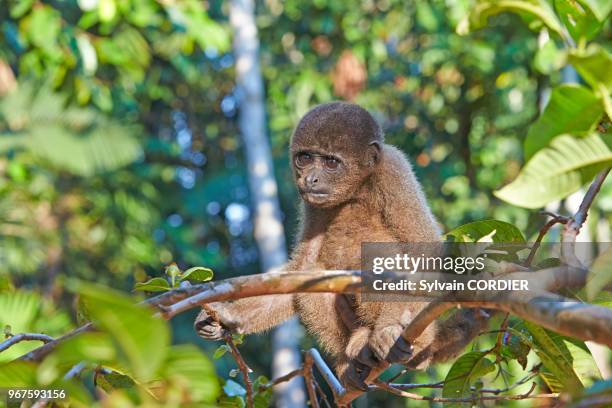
x=314, y=196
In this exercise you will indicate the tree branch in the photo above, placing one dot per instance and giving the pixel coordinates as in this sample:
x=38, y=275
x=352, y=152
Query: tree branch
x=11, y=341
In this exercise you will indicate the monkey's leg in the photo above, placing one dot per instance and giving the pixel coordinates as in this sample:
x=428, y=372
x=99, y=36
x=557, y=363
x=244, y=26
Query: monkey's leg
x=244, y=316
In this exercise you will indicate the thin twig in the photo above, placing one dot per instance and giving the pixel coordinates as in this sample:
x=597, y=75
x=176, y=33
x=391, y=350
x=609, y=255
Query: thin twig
x=243, y=367
x=11, y=341
x=322, y=394
x=309, y=380
x=556, y=219
x=528, y=395
x=572, y=228
x=287, y=377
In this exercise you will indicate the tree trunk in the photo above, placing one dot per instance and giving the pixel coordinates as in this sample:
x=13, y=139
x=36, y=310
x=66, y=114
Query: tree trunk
x=269, y=232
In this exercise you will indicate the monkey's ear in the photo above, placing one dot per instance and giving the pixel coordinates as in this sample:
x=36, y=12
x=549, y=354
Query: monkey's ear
x=373, y=153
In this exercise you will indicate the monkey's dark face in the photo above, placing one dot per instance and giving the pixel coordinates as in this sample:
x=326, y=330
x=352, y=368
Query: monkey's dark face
x=333, y=150
x=326, y=179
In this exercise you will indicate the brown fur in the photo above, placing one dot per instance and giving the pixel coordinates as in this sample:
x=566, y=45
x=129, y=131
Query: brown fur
x=374, y=197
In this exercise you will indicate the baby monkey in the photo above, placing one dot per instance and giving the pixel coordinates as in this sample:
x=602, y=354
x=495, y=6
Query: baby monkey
x=354, y=189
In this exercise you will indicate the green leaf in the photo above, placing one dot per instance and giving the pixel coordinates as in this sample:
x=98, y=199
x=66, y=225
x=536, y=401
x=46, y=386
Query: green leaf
x=593, y=65
x=465, y=371
x=572, y=109
x=19, y=310
x=539, y=9
x=107, y=10
x=261, y=399
x=563, y=359
x=21, y=7
x=74, y=139
x=18, y=374
x=142, y=338
x=599, y=275
x=558, y=170
x=579, y=21
x=96, y=348
x=153, y=285
x=188, y=366
x=197, y=274
x=112, y=381
x=504, y=232
x=600, y=8
x=220, y=351
x=549, y=58
x=45, y=26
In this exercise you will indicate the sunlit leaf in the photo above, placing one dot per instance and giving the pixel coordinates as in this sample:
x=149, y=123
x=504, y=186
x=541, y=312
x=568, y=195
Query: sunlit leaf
x=593, y=65
x=197, y=274
x=143, y=338
x=601, y=8
x=558, y=170
x=153, y=285
x=480, y=13
x=504, y=232
x=564, y=359
x=186, y=364
x=579, y=21
x=464, y=372
x=571, y=109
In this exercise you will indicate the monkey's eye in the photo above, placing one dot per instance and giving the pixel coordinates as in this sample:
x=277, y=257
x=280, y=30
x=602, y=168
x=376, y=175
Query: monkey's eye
x=303, y=159
x=331, y=163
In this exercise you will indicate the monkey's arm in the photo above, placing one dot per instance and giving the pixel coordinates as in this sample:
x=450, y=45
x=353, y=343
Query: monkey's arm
x=404, y=207
x=244, y=316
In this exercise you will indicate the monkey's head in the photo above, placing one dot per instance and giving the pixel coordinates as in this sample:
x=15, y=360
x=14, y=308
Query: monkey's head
x=334, y=148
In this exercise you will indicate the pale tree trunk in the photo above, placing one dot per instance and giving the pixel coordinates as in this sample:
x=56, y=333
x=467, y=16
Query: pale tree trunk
x=269, y=233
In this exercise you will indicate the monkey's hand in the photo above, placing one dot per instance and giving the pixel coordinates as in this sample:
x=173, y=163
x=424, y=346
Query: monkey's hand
x=208, y=328
x=388, y=345
x=360, y=360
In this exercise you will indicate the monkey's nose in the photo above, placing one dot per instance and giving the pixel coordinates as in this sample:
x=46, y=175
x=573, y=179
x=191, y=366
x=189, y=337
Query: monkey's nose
x=311, y=180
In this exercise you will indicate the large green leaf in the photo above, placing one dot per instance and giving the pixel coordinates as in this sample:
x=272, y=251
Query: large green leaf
x=465, y=371
x=594, y=65
x=572, y=109
x=18, y=310
x=600, y=274
x=75, y=139
x=558, y=170
x=142, y=338
x=600, y=8
x=187, y=365
x=539, y=9
x=18, y=374
x=568, y=362
x=504, y=232
x=579, y=21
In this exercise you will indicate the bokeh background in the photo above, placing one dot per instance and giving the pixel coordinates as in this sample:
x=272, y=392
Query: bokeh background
x=120, y=150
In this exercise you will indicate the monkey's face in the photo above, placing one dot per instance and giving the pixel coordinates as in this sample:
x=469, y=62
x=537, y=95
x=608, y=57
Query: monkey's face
x=326, y=179
x=334, y=148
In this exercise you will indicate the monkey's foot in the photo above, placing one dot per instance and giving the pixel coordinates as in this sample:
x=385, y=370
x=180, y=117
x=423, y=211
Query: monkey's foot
x=354, y=375
x=388, y=345
x=209, y=329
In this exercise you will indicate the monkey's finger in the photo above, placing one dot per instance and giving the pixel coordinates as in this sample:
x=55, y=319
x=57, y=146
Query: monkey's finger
x=355, y=375
x=401, y=352
x=366, y=357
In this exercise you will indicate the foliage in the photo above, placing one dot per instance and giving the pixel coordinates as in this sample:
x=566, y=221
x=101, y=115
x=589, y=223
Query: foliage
x=561, y=150
x=129, y=358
